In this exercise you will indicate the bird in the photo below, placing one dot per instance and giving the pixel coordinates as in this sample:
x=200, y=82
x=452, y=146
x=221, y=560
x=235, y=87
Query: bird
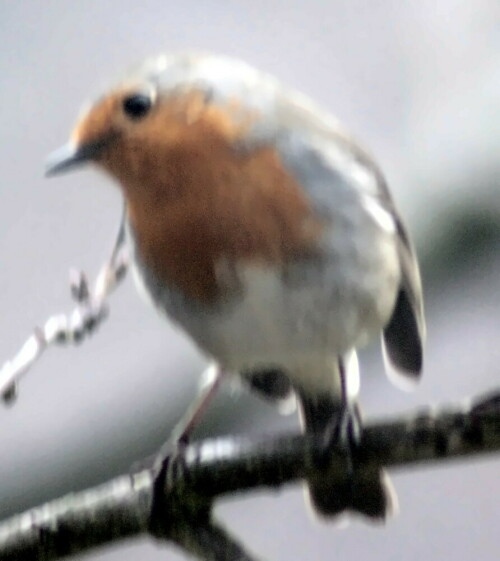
x=264, y=230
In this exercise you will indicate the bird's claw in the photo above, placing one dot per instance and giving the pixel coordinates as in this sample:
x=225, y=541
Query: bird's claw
x=343, y=434
x=167, y=463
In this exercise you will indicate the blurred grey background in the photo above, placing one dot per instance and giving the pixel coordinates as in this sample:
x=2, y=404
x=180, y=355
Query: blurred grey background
x=419, y=82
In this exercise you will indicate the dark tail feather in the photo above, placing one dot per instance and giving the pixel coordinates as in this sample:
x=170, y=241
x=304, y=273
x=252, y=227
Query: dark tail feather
x=365, y=490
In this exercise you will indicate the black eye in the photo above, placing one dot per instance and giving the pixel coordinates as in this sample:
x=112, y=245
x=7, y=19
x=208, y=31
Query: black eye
x=137, y=106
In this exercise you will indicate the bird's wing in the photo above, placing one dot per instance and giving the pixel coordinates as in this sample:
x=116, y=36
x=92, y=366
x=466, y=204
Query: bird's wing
x=320, y=153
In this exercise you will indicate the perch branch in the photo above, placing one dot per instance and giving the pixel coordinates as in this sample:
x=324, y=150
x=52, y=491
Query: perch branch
x=180, y=511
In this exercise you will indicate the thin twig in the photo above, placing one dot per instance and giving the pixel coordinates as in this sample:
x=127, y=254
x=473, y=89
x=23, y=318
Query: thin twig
x=61, y=329
x=208, y=541
x=127, y=505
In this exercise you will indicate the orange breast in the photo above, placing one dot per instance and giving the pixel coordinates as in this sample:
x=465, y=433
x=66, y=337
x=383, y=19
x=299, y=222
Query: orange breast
x=195, y=201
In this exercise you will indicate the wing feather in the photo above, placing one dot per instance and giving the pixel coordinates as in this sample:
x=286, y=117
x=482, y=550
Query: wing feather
x=321, y=152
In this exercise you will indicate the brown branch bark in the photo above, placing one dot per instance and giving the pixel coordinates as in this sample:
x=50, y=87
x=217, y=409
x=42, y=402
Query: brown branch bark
x=180, y=510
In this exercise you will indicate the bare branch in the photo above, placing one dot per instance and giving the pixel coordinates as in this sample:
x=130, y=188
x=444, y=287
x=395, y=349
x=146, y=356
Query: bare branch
x=63, y=329
x=181, y=511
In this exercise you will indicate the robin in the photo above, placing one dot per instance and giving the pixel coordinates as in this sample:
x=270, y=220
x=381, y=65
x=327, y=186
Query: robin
x=261, y=228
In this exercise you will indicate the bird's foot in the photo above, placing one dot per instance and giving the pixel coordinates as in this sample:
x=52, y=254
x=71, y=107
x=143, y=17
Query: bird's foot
x=343, y=434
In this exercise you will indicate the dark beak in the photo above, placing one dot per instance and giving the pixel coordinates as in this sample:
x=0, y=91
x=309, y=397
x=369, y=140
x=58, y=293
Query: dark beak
x=70, y=156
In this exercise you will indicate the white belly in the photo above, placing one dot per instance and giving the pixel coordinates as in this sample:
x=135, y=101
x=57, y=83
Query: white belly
x=277, y=323
x=303, y=316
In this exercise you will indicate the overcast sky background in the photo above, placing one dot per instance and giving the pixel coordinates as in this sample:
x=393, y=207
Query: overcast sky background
x=419, y=82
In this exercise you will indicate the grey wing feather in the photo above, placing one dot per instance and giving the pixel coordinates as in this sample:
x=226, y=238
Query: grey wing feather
x=302, y=124
x=404, y=335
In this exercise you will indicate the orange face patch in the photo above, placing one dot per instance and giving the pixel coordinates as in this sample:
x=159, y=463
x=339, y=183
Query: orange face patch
x=99, y=122
x=194, y=201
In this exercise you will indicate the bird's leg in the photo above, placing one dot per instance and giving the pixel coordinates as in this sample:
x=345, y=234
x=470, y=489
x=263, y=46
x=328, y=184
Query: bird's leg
x=344, y=434
x=345, y=427
x=334, y=418
x=336, y=422
x=211, y=380
x=364, y=489
x=167, y=462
